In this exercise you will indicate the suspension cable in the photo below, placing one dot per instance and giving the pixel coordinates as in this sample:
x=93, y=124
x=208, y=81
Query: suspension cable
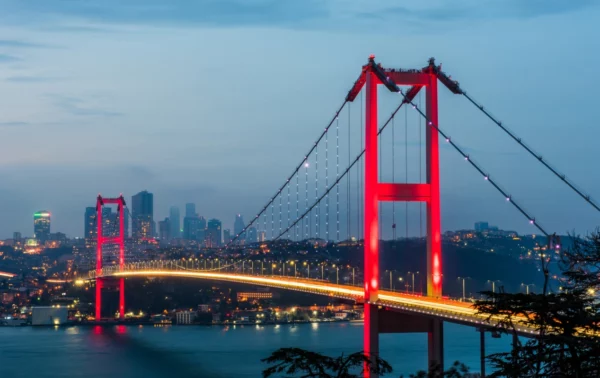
x=290, y=176
x=539, y=157
x=475, y=165
x=344, y=173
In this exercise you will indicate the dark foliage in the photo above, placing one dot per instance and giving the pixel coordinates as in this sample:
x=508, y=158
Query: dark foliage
x=457, y=370
x=566, y=321
x=296, y=362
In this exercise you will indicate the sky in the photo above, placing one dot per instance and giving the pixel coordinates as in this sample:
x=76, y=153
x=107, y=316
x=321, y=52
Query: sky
x=215, y=102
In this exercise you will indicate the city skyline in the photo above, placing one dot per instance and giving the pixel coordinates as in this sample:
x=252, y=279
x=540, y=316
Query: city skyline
x=74, y=99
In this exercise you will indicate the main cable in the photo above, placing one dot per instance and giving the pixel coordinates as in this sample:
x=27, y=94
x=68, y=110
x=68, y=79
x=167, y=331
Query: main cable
x=539, y=157
x=337, y=113
x=346, y=171
x=486, y=176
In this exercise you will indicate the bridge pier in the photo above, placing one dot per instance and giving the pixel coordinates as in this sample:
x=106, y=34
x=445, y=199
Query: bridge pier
x=435, y=344
x=98, y=298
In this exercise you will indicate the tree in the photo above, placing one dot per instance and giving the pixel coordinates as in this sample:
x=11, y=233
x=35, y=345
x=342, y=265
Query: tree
x=457, y=370
x=315, y=365
x=566, y=321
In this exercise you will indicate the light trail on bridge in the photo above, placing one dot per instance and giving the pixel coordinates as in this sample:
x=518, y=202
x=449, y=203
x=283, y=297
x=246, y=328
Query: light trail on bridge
x=449, y=310
x=6, y=274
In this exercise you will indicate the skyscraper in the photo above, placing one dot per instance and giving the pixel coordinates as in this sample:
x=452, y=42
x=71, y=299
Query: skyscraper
x=191, y=228
x=142, y=214
x=89, y=224
x=110, y=222
x=238, y=227
x=164, y=229
x=252, y=235
x=175, y=220
x=201, y=235
x=41, y=225
x=226, y=236
x=262, y=236
x=190, y=210
x=213, y=233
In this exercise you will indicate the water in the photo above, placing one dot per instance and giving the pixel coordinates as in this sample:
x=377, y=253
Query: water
x=197, y=351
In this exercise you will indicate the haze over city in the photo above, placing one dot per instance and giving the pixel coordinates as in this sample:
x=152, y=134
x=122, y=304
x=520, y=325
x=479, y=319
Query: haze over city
x=211, y=103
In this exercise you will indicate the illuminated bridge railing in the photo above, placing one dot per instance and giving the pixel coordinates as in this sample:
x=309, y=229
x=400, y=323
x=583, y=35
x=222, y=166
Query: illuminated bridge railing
x=450, y=310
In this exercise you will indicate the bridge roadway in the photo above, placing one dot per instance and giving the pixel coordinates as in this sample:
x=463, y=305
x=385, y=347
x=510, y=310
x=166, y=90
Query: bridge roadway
x=449, y=310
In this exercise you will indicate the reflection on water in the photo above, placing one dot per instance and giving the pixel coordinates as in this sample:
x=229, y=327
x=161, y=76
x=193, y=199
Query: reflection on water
x=197, y=351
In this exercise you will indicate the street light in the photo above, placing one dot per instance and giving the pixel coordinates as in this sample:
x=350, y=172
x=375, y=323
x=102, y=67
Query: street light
x=337, y=274
x=292, y=263
x=494, y=284
x=413, y=280
x=307, y=269
x=391, y=284
x=527, y=286
x=400, y=279
x=464, y=296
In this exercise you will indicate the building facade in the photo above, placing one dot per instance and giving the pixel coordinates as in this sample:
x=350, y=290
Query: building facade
x=41, y=225
x=213, y=237
x=142, y=214
x=175, y=219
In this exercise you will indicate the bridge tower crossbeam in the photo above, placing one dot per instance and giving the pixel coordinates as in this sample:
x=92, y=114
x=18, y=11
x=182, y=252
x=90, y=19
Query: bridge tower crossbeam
x=102, y=240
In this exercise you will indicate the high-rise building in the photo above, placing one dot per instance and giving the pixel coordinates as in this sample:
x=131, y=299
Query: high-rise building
x=238, y=227
x=110, y=222
x=89, y=224
x=481, y=226
x=251, y=235
x=213, y=233
x=190, y=210
x=17, y=237
x=201, y=235
x=175, y=220
x=142, y=214
x=226, y=236
x=164, y=229
x=262, y=236
x=41, y=225
x=192, y=228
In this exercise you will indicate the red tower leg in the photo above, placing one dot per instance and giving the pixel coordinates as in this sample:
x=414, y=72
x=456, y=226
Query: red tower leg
x=371, y=226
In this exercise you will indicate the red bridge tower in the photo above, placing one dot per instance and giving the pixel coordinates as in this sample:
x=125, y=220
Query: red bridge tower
x=103, y=240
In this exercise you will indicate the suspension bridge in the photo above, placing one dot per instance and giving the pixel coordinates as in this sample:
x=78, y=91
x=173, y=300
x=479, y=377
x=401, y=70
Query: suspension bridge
x=337, y=192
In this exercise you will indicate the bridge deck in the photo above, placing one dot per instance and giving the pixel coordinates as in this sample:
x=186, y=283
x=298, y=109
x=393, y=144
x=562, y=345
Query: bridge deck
x=449, y=310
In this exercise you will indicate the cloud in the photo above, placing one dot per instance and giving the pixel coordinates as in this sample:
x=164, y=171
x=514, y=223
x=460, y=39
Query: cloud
x=20, y=44
x=153, y=12
x=13, y=124
x=278, y=13
x=5, y=58
x=32, y=79
x=485, y=10
x=80, y=107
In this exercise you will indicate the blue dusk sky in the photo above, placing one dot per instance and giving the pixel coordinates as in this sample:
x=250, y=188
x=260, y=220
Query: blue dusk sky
x=216, y=101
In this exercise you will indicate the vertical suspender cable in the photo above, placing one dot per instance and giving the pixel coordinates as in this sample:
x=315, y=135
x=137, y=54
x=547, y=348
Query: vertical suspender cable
x=348, y=192
x=307, y=227
x=337, y=176
x=317, y=210
x=327, y=187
